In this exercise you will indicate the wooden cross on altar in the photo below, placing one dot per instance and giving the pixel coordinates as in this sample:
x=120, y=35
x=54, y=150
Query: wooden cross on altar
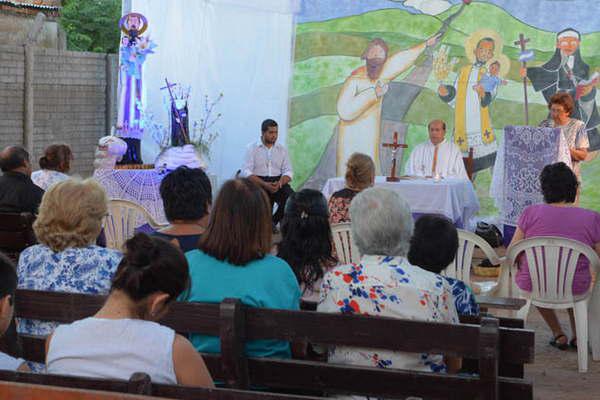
x=395, y=146
x=522, y=42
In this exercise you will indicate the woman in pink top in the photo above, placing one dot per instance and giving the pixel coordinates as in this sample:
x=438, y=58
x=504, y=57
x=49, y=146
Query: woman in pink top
x=559, y=217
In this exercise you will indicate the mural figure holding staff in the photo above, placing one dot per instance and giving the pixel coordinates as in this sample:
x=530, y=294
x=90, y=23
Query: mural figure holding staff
x=360, y=99
x=567, y=72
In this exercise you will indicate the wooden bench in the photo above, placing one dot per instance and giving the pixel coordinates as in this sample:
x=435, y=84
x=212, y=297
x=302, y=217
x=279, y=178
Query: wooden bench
x=18, y=391
x=43, y=386
x=490, y=345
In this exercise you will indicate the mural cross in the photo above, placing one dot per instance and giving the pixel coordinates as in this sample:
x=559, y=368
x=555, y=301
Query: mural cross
x=522, y=42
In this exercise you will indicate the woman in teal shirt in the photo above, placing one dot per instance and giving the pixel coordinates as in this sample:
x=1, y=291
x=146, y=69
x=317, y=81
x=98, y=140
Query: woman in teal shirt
x=233, y=261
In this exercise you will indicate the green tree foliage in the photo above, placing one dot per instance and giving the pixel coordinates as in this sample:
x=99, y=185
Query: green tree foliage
x=92, y=25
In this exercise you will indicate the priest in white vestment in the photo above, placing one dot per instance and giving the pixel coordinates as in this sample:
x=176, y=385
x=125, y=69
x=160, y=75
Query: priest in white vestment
x=437, y=156
x=360, y=99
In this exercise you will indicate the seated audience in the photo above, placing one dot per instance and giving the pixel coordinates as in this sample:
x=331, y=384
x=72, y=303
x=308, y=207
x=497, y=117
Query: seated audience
x=66, y=258
x=55, y=165
x=233, y=260
x=8, y=286
x=306, y=244
x=123, y=337
x=433, y=247
x=360, y=174
x=17, y=192
x=384, y=283
x=187, y=195
x=559, y=217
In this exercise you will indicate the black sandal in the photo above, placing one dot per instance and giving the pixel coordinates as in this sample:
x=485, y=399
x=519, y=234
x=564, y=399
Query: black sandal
x=561, y=346
x=573, y=343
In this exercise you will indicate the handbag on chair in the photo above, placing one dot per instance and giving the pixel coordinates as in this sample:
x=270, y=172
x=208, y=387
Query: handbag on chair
x=490, y=233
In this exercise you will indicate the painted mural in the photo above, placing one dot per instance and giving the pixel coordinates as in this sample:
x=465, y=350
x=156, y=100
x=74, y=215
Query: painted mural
x=462, y=61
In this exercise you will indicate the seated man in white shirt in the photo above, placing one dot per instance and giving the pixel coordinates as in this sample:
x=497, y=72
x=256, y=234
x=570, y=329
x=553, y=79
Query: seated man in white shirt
x=268, y=164
x=436, y=157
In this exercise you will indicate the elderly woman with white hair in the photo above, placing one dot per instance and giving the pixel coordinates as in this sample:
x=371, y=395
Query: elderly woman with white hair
x=384, y=283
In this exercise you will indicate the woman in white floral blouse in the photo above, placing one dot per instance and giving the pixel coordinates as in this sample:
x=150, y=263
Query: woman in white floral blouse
x=67, y=260
x=55, y=164
x=385, y=283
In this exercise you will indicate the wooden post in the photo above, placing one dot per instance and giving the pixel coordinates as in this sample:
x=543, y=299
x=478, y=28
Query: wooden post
x=112, y=72
x=233, y=336
x=489, y=350
x=28, y=100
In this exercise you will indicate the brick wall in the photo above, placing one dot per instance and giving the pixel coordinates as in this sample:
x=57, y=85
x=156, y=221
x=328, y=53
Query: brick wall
x=69, y=101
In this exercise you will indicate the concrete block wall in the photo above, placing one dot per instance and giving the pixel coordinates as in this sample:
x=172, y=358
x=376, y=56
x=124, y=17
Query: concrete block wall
x=12, y=66
x=69, y=90
x=71, y=103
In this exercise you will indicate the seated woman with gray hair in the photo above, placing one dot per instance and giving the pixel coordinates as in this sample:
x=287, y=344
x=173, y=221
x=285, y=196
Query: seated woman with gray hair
x=384, y=283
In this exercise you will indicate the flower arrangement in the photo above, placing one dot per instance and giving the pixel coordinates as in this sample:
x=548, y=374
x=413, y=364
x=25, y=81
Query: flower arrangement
x=202, y=133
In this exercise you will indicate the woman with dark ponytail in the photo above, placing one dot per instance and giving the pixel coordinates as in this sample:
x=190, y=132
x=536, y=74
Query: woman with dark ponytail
x=122, y=338
x=306, y=243
x=55, y=164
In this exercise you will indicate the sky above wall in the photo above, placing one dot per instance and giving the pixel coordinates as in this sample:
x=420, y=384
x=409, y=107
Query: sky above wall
x=551, y=15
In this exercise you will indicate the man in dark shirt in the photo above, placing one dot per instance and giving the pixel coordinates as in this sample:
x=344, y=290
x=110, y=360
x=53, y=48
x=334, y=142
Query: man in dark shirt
x=17, y=192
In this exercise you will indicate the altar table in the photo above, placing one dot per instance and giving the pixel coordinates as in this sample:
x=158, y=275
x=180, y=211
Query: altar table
x=451, y=197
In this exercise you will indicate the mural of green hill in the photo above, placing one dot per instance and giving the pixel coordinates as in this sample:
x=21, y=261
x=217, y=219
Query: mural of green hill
x=474, y=17
x=388, y=20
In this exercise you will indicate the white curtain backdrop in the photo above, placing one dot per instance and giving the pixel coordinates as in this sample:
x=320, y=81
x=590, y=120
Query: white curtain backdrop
x=240, y=48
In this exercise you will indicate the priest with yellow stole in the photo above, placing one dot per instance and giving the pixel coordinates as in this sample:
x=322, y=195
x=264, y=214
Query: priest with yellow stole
x=472, y=122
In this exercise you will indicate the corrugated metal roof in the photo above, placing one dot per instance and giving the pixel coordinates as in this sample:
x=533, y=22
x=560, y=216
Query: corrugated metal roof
x=40, y=4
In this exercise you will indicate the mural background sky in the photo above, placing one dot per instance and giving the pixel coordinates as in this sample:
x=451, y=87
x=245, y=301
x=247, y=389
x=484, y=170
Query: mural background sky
x=555, y=15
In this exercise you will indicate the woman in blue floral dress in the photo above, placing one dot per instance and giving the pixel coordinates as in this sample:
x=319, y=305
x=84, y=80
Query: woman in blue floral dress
x=67, y=260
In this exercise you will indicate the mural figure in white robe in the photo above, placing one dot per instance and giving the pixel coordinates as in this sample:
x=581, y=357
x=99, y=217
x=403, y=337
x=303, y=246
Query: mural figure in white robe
x=360, y=99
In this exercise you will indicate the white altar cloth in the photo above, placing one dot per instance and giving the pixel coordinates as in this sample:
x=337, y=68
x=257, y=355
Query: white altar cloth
x=452, y=197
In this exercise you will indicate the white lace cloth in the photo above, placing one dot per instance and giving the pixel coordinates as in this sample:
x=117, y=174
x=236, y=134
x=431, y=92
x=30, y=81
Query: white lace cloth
x=140, y=186
x=452, y=197
x=522, y=155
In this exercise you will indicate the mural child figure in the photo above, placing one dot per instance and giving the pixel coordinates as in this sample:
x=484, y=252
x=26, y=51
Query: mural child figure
x=567, y=72
x=472, y=121
x=490, y=81
x=361, y=97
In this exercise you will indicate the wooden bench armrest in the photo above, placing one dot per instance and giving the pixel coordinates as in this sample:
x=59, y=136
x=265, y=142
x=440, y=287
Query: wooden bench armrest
x=502, y=303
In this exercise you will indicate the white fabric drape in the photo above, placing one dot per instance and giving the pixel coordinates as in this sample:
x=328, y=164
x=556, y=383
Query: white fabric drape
x=239, y=48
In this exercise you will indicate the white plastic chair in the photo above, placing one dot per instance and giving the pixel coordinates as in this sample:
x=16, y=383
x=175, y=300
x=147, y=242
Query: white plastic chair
x=460, y=268
x=552, y=262
x=345, y=248
x=122, y=219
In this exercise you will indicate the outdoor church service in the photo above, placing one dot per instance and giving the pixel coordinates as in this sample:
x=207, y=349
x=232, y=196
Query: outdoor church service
x=299, y=199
